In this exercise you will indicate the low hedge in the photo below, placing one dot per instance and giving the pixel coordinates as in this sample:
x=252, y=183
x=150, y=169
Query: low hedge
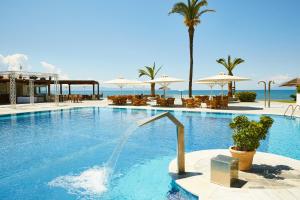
x=298, y=89
x=246, y=96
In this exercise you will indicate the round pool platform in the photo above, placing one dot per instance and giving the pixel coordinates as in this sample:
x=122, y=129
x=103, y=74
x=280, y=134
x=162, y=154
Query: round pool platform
x=271, y=177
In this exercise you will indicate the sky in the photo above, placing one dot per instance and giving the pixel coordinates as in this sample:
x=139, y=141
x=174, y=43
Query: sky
x=102, y=40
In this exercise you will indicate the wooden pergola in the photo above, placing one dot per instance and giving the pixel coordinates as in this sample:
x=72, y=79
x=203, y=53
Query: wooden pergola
x=60, y=83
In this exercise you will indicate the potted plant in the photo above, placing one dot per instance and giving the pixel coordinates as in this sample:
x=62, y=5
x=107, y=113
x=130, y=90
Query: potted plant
x=246, y=138
x=298, y=95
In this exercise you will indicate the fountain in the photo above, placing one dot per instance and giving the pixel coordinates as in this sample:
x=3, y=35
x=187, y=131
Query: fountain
x=94, y=180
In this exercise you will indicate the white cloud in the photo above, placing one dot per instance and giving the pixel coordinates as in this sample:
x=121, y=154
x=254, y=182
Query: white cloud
x=49, y=68
x=14, y=62
x=53, y=69
x=280, y=78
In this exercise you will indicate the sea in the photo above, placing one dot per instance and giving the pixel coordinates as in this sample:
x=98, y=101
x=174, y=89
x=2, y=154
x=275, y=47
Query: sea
x=275, y=94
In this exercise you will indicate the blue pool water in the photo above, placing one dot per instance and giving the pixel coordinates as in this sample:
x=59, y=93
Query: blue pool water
x=63, y=154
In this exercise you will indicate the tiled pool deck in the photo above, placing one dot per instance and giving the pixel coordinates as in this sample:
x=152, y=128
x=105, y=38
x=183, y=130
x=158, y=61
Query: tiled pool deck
x=238, y=108
x=272, y=177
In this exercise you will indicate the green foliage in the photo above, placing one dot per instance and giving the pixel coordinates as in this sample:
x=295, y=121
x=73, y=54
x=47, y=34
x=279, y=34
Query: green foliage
x=229, y=64
x=149, y=71
x=248, y=134
x=246, y=96
x=191, y=11
x=293, y=96
x=298, y=89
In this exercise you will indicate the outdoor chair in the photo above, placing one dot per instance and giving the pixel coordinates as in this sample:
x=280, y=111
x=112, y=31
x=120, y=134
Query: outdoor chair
x=163, y=102
x=212, y=104
x=190, y=103
x=197, y=102
x=170, y=102
x=183, y=102
x=139, y=102
x=204, y=98
x=224, y=102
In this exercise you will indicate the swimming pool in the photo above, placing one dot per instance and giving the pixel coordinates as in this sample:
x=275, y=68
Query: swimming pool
x=62, y=154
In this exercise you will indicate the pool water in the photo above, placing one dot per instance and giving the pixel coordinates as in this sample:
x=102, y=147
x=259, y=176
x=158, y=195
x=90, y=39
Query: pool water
x=63, y=154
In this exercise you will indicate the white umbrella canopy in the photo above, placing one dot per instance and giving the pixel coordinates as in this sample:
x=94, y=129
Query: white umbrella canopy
x=165, y=81
x=122, y=82
x=222, y=78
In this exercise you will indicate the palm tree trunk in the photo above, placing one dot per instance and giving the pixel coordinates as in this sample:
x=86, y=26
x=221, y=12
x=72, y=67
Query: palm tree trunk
x=230, y=85
x=191, y=37
x=153, y=89
x=230, y=89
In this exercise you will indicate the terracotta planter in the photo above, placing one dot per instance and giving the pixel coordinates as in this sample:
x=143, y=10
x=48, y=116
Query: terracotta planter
x=245, y=158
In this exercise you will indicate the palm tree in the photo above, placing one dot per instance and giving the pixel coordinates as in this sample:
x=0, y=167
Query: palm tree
x=230, y=66
x=191, y=13
x=151, y=72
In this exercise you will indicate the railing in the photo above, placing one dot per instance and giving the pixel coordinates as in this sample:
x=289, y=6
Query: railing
x=297, y=106
x=293, y=110
x=287, y=109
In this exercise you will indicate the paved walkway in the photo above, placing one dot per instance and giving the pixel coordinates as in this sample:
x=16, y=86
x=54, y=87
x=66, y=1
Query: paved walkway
x=239, y=108
x=272, y=177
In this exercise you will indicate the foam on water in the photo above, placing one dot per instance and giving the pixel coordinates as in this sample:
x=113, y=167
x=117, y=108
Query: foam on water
x=92, y=182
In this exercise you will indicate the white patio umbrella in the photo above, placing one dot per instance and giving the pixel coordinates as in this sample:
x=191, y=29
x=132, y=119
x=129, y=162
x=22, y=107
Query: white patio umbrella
x=164, y=88
x=210, y=84
x=122, y=82
x=165, y=81
x=222, y=79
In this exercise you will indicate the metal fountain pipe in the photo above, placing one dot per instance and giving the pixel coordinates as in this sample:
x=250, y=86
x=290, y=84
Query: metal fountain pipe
x=180, y=137
x=269, y=88
x=265, y=91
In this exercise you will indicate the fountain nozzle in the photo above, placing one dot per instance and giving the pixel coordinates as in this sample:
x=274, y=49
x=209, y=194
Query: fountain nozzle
x=180, y=137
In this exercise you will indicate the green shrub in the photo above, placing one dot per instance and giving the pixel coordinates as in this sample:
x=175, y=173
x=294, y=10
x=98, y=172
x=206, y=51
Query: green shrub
x=246, y=96
x=247, y=134
x=298, y=89
x=293, y=96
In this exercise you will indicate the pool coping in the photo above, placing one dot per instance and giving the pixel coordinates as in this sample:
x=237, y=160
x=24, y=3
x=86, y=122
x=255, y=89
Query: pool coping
x=59, y=109
x=255, y=108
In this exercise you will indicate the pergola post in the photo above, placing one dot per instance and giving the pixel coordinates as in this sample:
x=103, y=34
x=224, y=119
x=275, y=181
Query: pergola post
x=31, y=91
x=98, y=90
x=93, y=89
x=12, y=89
x=56, y=90
x=49, y=89
x=60, y=89
x=69, y=89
